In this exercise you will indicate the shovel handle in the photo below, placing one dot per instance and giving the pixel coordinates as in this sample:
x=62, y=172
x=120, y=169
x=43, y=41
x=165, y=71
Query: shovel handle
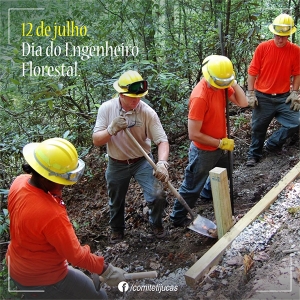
x=181, y=200
x=128, y=276
x=141, y=275
x=151, y=162
x=138, y=275
x=153, y=165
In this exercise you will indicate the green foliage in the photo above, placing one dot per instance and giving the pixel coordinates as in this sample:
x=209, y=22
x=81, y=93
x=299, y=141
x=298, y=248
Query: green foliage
x=4, y=222
x=294, y=210
x=4, y=293
x=172, y=37
x=78, y=226
x=75, y=225
x=183, y=150
x=240, y=120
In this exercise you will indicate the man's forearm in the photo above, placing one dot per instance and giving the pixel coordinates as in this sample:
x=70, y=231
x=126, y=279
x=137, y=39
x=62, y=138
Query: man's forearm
x=296, y=83
x=163, y=151
x=250, y=81
x=101, y=137
x=239, y=98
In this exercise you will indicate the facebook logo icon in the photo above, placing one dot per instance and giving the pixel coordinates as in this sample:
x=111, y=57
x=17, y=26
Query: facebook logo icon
x=123, y=286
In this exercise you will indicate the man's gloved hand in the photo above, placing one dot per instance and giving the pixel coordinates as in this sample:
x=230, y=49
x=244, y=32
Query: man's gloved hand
x=161, y=172
x=226, y=144
x=251, y=98
x=119, y=123
x=113, y=275
x=294, y=98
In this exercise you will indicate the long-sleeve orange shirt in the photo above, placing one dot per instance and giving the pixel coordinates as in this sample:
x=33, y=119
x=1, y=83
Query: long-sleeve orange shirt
x=43, y=240
x=273, y=67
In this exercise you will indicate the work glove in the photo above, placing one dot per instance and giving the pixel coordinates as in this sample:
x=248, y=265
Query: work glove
x=119, y=123
x=161, y=172
x=251, y=98
x=113, y=275
x=294, y=98
x=226, y=144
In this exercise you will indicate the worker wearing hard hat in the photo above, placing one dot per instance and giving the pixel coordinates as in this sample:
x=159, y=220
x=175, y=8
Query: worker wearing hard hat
x=43, y=242
x=273, y=89
x=207, y=130
x=125, y=158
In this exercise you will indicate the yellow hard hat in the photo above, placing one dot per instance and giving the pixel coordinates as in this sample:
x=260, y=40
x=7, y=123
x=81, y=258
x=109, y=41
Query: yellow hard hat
x=131, y=84
x=218, y=71
x=283, y=25
x=55, y=159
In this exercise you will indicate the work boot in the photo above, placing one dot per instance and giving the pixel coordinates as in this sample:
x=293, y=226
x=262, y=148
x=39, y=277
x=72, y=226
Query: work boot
x=251, y=162
x=116, y=237
x=158, y=232
x=184, y=223
x=277, y=151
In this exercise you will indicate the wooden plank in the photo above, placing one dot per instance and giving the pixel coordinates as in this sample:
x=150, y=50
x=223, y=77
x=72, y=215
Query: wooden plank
x=221, y=199
x=213, y=255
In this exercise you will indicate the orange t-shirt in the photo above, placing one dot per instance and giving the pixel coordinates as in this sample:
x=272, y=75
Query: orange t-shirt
x=209, y=105
x=274, y=66
x=43, y=240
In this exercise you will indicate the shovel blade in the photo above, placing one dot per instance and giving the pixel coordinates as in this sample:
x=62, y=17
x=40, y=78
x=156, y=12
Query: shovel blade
x=203, y=226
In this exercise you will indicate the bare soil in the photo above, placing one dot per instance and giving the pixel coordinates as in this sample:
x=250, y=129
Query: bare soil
x=88, y=209
x=87, y=205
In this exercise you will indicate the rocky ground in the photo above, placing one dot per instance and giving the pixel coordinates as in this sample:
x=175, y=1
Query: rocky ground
x=172, y=256
x=267, y=266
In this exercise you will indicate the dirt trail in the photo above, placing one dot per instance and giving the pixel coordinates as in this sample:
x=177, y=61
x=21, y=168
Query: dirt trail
x=87, y=206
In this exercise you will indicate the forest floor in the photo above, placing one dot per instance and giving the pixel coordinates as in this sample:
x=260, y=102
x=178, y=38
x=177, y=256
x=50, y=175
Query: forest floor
x=171, y=257
x=181, y=248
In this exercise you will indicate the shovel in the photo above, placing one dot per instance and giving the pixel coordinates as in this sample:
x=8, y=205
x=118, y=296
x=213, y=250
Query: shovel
x=128, y=276
x=199, y=224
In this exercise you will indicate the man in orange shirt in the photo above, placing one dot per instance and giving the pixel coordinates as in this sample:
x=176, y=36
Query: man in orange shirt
x=207, y=129
x=43, y=241
x=275, y=66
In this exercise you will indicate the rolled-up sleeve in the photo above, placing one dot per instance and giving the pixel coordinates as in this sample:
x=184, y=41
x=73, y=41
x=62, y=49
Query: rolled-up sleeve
x=156, y=132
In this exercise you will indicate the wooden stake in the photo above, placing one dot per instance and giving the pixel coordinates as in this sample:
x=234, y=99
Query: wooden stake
x=221, y=200
x=214, y=254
